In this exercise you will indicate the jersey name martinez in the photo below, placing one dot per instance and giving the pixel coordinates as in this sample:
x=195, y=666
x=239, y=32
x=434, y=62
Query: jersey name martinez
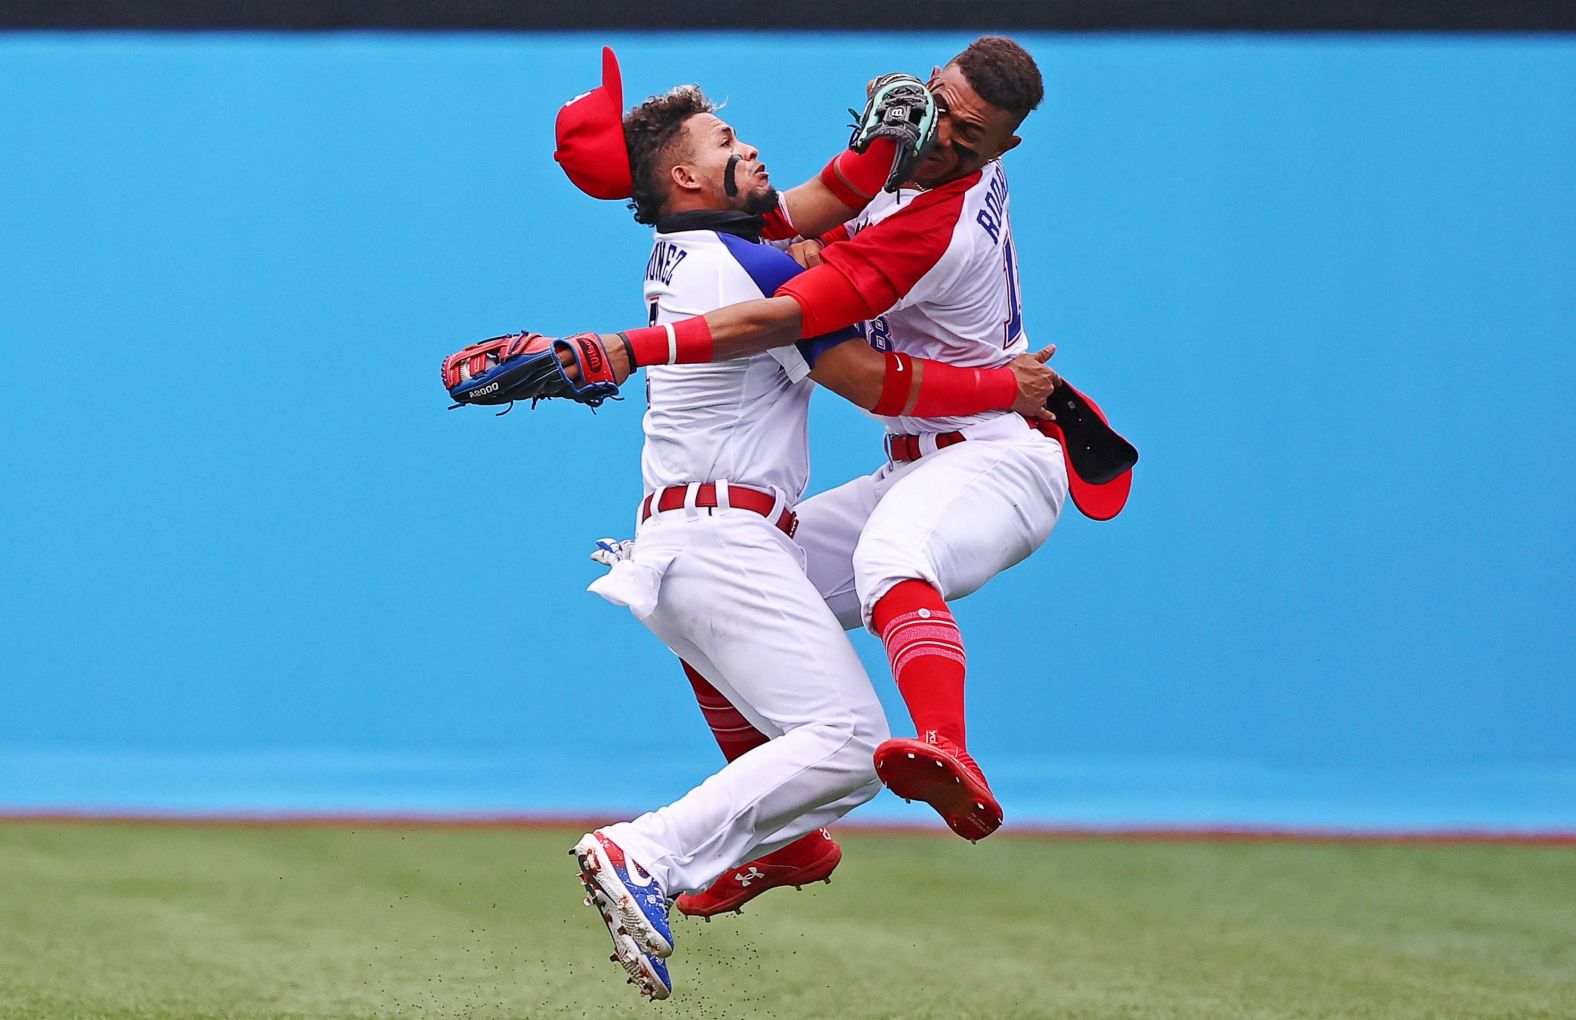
x=665, y=257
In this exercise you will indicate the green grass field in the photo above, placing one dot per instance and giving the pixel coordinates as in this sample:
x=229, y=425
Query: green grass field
x=123, y=920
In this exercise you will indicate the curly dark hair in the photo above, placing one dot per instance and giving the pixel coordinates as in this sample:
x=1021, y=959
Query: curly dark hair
x=1003, y=73
x=650, y=131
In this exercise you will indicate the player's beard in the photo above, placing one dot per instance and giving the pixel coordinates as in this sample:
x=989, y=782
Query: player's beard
x=757, y=203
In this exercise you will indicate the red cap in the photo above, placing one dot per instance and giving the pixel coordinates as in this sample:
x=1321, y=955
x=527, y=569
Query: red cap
x=1099, y=501
x=590, y=132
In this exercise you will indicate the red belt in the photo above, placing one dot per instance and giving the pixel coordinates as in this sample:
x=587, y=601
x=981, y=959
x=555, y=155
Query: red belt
x=739, y=498
x=903, y=449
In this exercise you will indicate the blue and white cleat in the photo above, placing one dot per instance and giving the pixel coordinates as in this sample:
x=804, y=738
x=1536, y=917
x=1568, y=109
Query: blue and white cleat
x=646, y=972
x=629, y=900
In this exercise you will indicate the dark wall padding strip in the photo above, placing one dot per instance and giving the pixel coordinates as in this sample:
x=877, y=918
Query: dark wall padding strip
x=1051, y=15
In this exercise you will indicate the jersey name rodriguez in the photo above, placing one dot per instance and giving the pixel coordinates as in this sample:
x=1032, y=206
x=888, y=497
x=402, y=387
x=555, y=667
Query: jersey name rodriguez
x=966, y=308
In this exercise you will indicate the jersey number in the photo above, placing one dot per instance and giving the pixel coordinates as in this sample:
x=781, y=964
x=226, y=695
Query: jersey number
x=1013, y=327
x=651, y=320
x=878, y=333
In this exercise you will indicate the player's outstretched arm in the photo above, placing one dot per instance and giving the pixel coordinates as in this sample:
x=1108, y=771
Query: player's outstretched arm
x=814, y=208
x=733, y=331
x=814, y=303
x=895, y=384
x=840, y=191
x=891, y=138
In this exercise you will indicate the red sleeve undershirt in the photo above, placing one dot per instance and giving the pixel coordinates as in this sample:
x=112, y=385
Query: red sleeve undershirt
x=777, y=227
x=870, y=272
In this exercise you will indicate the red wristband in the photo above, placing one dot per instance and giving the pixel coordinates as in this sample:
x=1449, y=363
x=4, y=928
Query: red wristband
x=857, y=177
x=686, y=342
x=946, y=390
x=895, y=385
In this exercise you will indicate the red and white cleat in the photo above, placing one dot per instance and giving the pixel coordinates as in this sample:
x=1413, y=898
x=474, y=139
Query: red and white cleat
x=941, y=774
x=810, y=858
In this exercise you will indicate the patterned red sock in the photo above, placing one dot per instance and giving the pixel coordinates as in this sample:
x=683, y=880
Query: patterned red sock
x=734, y=733
x=926, y=652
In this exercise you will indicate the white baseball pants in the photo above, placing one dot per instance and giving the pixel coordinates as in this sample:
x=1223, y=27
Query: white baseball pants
x=727, y=592
x=955, y=518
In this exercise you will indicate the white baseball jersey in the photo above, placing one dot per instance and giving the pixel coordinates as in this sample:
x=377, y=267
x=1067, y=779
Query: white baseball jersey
x=726, y=590
x=950, y=253
x=746, y=420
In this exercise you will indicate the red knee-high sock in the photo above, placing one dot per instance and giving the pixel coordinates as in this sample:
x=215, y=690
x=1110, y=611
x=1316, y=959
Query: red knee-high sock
x=926, y=652
x=734, y=733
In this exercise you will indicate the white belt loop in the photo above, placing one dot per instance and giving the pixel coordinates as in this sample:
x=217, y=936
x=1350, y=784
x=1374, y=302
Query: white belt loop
x=777, y=507
x=723, y=503
x=927, y=443
x=690, y=492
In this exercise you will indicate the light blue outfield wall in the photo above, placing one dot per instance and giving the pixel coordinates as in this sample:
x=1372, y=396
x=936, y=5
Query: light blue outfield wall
x=247, y=559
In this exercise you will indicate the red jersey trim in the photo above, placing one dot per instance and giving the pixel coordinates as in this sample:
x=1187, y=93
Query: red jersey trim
x=827, y=301
x=884, y=261
x=866, y=274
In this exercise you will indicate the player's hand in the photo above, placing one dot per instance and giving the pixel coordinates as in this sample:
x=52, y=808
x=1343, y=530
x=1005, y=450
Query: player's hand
x=870, y=86
x=1036, y=380
x=900, y=107
x=617, y=356
x=806, y=253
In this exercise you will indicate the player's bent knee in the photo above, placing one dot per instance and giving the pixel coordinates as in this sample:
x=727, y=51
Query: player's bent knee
x=844, y=733
x=872, y=730
x=880, y=565
x=874, y=558
x=850, y=742
x=864, y=793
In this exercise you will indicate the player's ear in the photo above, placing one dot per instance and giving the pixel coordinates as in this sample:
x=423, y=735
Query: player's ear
x=1012, y=143
x=683, y=178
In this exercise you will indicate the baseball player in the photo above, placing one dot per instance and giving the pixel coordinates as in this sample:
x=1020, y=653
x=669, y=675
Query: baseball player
x=716, y=573
x=962, y=497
